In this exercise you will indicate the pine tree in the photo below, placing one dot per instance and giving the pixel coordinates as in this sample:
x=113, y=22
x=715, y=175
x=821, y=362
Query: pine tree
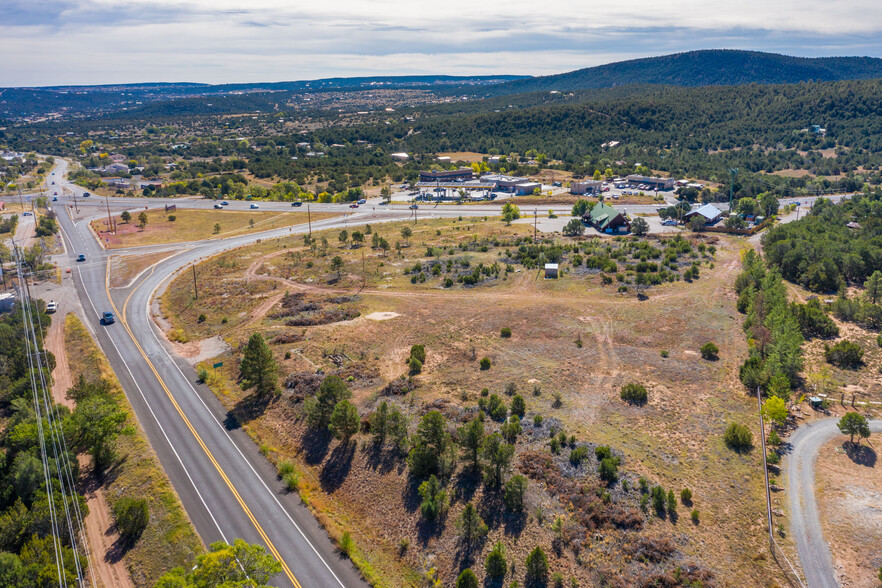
x=471, y=436
x=471, y=526
x=344, y=421
x=258, y=369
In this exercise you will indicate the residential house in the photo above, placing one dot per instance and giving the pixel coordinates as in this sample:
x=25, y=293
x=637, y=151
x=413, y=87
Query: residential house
x=607, y=219
x=708, y=212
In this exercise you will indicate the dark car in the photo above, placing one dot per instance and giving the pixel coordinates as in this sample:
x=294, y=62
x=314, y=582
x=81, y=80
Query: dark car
x=107, y=318
x=296, y=204
x=414, y=206
x=353, y=206
x=225, y=203
x=86, y=194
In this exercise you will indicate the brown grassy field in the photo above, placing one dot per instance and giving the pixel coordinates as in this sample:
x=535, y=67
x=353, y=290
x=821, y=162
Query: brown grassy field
x=849, y=491
x=194, y=225
x=169, y=539
x=575, y=339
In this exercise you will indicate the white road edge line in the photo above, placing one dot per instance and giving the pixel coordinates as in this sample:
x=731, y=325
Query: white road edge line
x=153, y=328
x=164, y=434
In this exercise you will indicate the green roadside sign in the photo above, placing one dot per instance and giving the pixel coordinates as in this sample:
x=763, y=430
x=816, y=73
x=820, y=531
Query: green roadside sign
x=218, y=364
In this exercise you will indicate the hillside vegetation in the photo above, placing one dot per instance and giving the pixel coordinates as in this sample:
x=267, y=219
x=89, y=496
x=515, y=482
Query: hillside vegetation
x=710, y=67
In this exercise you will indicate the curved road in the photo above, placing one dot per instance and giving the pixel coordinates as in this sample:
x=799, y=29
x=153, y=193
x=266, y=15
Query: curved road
x=805, y=524
x=227, y=487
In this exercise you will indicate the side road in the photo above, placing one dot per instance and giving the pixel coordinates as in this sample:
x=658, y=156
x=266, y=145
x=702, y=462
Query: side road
x=814, y=553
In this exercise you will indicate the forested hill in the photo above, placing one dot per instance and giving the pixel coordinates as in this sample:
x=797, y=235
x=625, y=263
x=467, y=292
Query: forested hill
x=714, y=67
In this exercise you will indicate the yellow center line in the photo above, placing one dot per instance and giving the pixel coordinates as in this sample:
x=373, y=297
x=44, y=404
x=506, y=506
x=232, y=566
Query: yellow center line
x=211, y=457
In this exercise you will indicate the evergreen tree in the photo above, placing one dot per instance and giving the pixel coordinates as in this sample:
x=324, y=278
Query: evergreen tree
x=318, y=409
x=258, y=369
x=471, y=526
x=344, y=421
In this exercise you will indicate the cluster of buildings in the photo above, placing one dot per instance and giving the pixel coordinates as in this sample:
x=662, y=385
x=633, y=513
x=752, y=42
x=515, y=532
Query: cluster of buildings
x=464, y=178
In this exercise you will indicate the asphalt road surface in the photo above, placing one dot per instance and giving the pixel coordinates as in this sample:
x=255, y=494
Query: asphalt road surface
x=805, y=524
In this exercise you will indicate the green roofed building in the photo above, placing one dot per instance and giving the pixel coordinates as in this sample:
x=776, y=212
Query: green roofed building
x=607, y=219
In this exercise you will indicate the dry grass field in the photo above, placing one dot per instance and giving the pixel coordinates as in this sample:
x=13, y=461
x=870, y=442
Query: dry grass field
x=574, y=342
x=849, y=490
x=194, y=225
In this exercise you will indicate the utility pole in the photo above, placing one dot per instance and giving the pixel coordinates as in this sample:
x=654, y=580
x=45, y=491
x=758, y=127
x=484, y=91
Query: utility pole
x=732, y=173
x=759, y=404
x=195, y=289
x=109, y=218
x=535, y=222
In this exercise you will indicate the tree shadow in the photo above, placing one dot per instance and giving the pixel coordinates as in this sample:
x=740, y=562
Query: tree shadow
x=494, y=582
x=247, y=409
x=336, y=469
x=315, y=445
x=860, y=454
x=380, y=459
x=466, y=484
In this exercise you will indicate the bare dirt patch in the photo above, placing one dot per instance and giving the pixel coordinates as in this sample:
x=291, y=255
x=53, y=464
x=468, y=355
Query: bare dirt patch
x=381, y=316
x=849, y=490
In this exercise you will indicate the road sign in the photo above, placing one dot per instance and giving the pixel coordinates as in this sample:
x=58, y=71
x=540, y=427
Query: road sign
x=218, y=364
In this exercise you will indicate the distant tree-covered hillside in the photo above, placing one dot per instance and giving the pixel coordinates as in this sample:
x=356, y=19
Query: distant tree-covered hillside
x=711, y=67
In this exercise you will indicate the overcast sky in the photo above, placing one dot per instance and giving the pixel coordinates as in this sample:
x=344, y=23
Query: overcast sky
x=51, y=42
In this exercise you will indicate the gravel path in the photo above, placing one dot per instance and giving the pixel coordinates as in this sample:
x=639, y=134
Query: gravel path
x=805, y=524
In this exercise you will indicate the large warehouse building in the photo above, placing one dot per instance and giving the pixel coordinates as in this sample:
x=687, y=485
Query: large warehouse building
x=653, y=182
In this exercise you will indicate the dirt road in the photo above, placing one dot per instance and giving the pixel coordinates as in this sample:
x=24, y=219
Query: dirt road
x=805, y=524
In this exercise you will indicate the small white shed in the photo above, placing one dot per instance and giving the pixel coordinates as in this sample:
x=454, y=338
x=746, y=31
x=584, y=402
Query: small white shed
x=550, y=271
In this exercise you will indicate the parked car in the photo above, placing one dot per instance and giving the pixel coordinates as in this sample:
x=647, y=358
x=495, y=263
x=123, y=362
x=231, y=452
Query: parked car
x=81, y=257
x=254, y=206
x=107, y=318
x=219, y=206
x=27, y=214
x=51, y=307
x=297, y=203
x=669, y=223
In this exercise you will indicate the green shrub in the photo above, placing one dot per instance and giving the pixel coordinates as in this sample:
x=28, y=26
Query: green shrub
x=202, y=374
x=634, y=393
x=738, y=437
x=415, y=366
x=518, y=406
x=536, y=565
x=845, y=354
x=515, y=490
x=664, y=353
x=172, y=218
x=608, y=469
x=131, y=516
x=695, y=516
x=578, y=455
x=505, y=333
x=601, y=452
x=495, y=566
x=686, y=496
x=710, y=351
x=292, y=481
x=467, y=579
x=346, y=544
x=485, y=363
x=202, y=318
x=419, y=352
x=773, y=458
x=285, y=468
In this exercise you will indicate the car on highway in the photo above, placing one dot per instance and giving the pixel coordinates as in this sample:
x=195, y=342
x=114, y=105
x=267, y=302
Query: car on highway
x=297, y=204
x=362, y=201
x=353, y=205
x=27, y=214
x=225, y=203
x=253, y=206
x=81, y=257
x=414, y=206
x=107, y=318
x=219, y=206
x=86, y=194
x=51, y=307
x=53, y=183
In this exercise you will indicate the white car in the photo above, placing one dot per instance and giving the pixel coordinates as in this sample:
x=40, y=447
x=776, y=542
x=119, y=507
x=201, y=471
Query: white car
x=51, y=307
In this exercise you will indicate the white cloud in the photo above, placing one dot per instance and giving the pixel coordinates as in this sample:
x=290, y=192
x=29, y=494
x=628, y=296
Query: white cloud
x=111, y=41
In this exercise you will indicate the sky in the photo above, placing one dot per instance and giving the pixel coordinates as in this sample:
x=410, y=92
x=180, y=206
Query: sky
x=59, y=42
